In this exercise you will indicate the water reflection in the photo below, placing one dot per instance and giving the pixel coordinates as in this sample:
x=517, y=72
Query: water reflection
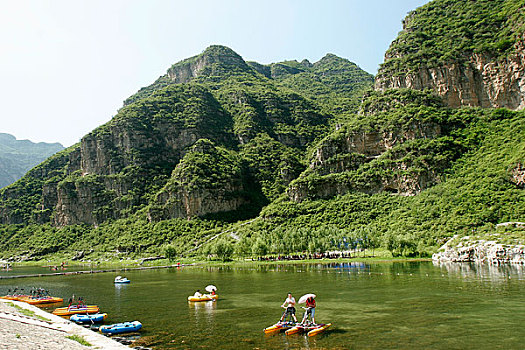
x=494, y=273
x=202, y=311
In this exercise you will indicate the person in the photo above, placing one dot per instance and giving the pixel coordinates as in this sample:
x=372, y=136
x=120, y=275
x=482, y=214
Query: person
x=310, y=310
x=213, y=292
x=290, y=308
x=198, y=293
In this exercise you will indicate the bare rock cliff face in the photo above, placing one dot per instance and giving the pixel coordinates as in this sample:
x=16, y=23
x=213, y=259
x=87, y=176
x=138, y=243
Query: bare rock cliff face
x=479, y=81
x=215, y=185
x=357, y=148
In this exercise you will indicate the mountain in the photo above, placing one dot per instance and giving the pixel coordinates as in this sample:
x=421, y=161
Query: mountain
x=471, y=53
x=297, y=156
x=18, y=156
x=212, y=110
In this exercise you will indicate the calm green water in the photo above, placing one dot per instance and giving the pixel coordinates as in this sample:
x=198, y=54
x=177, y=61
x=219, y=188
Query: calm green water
x=374, y=306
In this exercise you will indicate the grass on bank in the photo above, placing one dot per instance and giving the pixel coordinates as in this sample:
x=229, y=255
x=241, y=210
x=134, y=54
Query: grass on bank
x=79, y=339
x=29, y=313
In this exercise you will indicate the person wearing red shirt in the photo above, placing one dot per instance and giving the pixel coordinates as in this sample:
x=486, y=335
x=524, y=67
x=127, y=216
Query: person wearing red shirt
x=310, y=310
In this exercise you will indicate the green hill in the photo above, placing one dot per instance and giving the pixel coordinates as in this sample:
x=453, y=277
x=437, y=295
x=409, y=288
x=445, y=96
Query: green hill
x=297, y=156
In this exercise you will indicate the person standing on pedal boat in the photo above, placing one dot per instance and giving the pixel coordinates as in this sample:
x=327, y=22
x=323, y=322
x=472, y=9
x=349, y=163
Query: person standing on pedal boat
x=310, y=310
x=290, y=308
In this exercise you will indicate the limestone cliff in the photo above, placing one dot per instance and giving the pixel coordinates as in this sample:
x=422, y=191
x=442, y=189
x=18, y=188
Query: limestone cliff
x=481, y=80
x=391, y=147
x=208, y=180
x=468, y=53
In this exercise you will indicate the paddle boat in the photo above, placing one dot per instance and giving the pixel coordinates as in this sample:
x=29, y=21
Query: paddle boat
x=118, y=328
x=41, y=300
x=76, y=309
x=279, y=327
x=93, y=318
x=310, y=329
x=204, y=297
x=120, y=279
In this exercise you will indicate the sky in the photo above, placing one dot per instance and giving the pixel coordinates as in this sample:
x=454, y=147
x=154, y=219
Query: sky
x=66, y=66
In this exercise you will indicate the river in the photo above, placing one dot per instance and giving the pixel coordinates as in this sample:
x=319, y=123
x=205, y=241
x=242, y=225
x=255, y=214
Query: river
x=401, y=305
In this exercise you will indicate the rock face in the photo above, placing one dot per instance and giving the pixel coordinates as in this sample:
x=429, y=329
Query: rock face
x=465, y=64
x=481, y=81
x=214, y=60
x=374, y=155
x=215, y=185
x=518, y=175
x=481, y=251
x=360, y=148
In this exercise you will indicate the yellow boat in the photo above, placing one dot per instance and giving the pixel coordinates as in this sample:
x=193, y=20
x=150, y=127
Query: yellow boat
x=279, y=326
x=311, y=330
x=318, y=330
x=45, y=300
x=13, y=297
x=66, y=311
x=294, y=330
x=204, y=297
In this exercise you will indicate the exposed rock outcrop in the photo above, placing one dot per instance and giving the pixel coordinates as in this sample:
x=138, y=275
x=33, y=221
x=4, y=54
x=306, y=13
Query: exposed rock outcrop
x=479, y=78
x=208, y=180
x=480, y=251
x=336, y=163
x=517, y=175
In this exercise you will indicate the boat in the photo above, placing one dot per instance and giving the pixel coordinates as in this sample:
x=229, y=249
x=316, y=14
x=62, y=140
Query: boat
x=278, y=327
x=75, y=309
x=120, y=279
x=319, y=329
x=14, y=297
x=310, y=329
x=118, y=328
x=204, y=297
x=94, y=318
x=42, y=300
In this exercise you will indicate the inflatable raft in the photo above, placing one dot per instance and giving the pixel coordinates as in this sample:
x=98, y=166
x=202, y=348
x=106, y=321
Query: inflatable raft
x=75, y=309
x=94, y=318
x=118, y=328
x=204, y=297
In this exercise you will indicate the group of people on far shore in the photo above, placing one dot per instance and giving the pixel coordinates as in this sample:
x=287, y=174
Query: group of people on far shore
x=326, y=255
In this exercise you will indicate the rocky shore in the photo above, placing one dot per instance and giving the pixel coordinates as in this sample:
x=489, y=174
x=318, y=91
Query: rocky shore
x=467, y=249
x=23, y=326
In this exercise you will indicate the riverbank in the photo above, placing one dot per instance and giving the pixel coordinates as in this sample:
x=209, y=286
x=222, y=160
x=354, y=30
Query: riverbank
x=24, y=326
x=81, y=272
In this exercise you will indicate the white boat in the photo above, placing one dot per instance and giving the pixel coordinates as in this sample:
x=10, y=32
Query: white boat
x=120, y=279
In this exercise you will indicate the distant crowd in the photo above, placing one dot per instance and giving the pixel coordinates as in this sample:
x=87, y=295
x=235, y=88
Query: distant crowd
x=326, y=255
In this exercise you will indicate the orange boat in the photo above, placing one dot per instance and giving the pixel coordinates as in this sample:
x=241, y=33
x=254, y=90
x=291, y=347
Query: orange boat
x=43, y=300
x=75, y=309
x=13, y=297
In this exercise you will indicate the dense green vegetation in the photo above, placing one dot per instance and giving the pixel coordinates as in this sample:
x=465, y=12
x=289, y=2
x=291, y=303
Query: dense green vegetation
x=18, y=156
x=475, y=192
x=450, y=31
x=222, y=158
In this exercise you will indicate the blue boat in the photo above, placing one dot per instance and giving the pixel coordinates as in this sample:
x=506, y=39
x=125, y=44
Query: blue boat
x=124, y=327
x=93, y=318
